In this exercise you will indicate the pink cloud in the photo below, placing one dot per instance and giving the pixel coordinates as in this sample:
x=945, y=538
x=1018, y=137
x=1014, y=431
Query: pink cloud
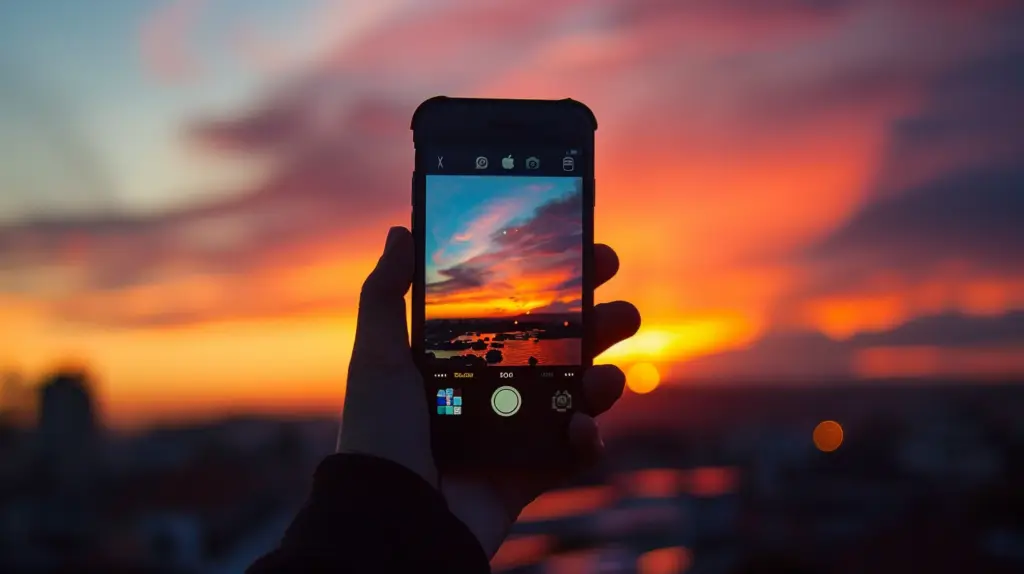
x=165, y=40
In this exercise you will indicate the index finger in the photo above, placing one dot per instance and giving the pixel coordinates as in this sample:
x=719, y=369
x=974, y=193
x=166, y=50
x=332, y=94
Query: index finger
x=606, y=264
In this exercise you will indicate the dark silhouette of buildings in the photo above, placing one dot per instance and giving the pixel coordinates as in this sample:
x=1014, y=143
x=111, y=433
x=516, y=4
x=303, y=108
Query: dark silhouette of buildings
x=68, y=429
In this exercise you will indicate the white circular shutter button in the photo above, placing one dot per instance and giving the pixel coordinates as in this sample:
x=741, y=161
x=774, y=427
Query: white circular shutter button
x=506, y=401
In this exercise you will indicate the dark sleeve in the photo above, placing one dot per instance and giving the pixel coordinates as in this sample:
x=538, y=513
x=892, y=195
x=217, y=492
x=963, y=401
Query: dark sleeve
x=367, y=514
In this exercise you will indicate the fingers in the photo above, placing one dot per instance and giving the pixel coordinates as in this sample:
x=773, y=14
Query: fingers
x=392, y=276
x=602, y=387
x=614, y=322
x=606, y=264
x=382, y=336
x=585, y=439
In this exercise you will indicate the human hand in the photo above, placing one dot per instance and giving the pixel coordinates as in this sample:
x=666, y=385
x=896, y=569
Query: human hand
x=386, y=416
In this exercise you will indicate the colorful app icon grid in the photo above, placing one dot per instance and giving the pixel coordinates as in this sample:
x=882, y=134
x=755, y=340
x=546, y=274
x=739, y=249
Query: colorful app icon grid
x=449, y=401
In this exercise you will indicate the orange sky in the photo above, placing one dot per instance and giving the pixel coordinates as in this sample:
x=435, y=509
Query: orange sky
x=809, y=169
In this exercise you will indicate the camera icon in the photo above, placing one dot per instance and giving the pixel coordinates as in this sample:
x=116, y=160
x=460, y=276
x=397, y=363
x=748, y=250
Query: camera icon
x=561, y=401
x=532, y=163
x=481, y=162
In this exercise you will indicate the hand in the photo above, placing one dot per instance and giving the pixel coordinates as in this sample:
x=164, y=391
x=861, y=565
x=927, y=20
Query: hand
x=386, y=416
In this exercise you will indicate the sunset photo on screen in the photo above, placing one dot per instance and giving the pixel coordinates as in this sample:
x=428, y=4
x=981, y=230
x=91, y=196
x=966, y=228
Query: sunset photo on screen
x=504, y=270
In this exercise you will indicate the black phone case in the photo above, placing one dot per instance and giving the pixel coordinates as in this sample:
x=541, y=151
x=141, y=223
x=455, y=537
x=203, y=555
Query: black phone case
x=540, y=437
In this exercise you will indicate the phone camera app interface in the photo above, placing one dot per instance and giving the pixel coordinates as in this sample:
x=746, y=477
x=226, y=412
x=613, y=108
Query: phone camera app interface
x=504, y=272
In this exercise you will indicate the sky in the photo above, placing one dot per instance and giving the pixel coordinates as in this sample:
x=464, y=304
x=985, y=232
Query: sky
x=500, y=246
x=192, y=191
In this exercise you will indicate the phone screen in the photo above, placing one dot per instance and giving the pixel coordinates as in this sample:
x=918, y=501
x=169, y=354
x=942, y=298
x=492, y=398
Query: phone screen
x=503, y=281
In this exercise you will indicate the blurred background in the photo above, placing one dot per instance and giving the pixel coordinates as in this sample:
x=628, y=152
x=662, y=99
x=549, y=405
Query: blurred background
x=818, y=205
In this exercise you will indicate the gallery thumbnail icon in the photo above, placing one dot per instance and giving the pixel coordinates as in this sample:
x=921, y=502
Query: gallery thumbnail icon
x=449, y=401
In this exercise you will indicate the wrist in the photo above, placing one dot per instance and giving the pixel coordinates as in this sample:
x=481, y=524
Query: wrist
x=483, y=514
x=380, y=445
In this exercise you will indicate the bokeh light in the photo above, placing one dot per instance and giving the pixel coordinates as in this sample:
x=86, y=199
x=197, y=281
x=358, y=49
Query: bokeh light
x=643, y=378
x=672, y=560
x=520, y=551
x=828, y=436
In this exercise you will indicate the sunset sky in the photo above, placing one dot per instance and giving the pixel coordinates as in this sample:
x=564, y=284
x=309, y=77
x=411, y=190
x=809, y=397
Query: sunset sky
x=499, y=246
x=192, y=191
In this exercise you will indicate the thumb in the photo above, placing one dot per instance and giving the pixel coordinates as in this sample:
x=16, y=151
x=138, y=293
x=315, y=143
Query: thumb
x=382, y=336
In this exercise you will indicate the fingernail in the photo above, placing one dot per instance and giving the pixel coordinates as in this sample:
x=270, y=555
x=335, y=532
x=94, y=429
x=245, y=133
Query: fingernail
x=392, y=239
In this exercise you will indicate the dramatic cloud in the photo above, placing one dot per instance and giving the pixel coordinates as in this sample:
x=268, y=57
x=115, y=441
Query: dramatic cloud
x=941, y=218
x=949, y=345
x=532, y=263
x=556, y=228
x=333, y=136
x=966, y=216
x=775, y=357
x=950, y=184
x=950, y=330
x=326, y=202
x=458, y=279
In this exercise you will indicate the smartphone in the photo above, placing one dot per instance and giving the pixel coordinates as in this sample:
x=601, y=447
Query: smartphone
x=503, y=295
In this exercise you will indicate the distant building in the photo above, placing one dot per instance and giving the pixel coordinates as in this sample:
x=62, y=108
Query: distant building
x=68, y=429
x=63, y=499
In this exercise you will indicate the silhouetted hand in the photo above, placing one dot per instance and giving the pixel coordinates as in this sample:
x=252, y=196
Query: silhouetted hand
x=386, y=415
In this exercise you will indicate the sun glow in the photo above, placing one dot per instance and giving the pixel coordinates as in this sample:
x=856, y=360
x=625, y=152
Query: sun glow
x=643, y=378
x=684, y=340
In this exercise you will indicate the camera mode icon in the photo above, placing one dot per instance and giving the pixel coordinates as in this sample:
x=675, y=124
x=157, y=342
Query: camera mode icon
x=561, y=401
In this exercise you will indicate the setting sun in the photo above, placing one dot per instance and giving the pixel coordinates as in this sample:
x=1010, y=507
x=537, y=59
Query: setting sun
x=643, y=378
